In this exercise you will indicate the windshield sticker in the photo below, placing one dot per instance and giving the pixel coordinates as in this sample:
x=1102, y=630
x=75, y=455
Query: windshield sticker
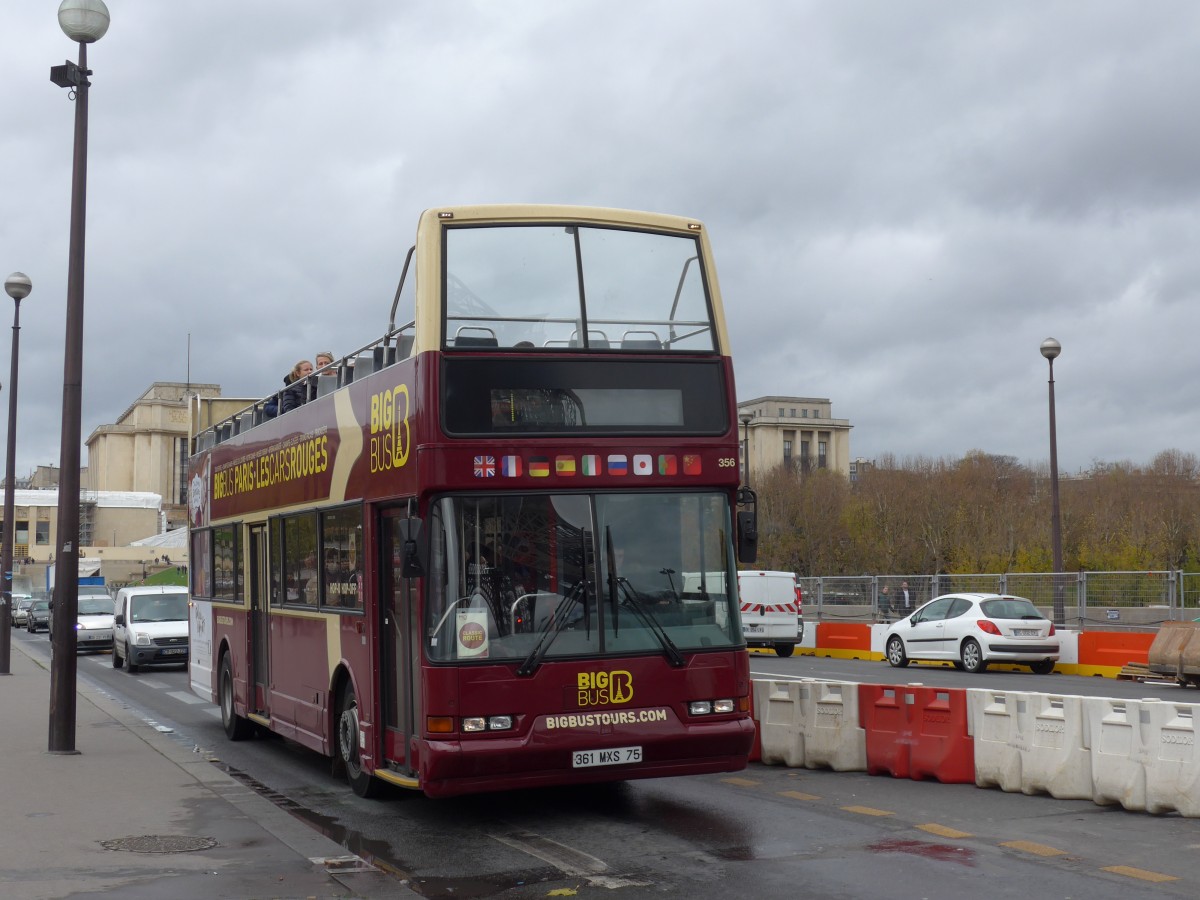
x=472, y=634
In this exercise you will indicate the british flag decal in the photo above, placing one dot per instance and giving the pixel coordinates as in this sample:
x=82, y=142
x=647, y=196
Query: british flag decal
x=485, y=467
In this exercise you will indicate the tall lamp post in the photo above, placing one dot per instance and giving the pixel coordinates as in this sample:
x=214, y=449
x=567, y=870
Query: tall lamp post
x=17, y=286
x=1050, y=349
x=83, y=21
x=746, y=419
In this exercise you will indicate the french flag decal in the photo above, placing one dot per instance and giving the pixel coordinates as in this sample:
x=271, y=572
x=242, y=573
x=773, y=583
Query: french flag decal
x=510, y=466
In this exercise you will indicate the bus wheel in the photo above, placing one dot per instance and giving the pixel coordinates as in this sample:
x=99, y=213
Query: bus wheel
x=236, y=728
x=784, y=650
x=361, y=783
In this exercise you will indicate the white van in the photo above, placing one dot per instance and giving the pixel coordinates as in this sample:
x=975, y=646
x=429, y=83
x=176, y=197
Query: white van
x=150, y=626
x=772, y=610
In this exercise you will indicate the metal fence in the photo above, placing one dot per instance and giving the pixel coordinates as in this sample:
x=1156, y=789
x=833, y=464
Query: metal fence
x=1115, y=601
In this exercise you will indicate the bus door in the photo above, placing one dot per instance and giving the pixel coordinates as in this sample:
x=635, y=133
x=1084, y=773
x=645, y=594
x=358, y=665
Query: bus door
x=398, y=633
x=258, y=624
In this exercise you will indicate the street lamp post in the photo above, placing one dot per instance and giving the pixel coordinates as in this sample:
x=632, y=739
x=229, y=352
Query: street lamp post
x=17, y=286
x=84, y=21
x=746, y=419
x=1050, y=349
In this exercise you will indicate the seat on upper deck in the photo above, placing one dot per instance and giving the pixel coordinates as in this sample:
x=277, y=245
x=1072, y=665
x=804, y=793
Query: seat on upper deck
x=641, y=340
x=475, y=336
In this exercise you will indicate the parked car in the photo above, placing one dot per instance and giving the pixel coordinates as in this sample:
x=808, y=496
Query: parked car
x=38, y=616
x=93, y=624
x=772, y=610
x=20, y=610
x=150, y=626
x=973, y=630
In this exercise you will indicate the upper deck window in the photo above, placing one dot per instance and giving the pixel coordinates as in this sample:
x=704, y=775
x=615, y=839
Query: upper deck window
x=564, y=286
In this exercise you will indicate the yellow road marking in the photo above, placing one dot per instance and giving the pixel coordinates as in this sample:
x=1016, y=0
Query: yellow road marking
x=1140, y=874
x=798, y=795
x=1036, y=849
x=868, y=811
x=741, y=782
x=943, y=831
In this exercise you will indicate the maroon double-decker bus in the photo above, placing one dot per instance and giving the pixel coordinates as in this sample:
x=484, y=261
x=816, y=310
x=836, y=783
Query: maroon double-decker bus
x=497, y=547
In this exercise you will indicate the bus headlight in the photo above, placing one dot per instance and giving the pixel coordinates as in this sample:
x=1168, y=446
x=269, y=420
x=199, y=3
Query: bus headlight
x=487, y=723
x=710, y=707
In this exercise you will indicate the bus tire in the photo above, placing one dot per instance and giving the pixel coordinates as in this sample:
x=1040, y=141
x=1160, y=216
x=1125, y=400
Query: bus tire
x=784, y=650
x=236, y=728
x=362, y=783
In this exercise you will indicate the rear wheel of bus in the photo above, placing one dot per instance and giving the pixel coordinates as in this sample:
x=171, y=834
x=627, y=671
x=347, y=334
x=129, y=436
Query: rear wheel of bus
x=362, y=783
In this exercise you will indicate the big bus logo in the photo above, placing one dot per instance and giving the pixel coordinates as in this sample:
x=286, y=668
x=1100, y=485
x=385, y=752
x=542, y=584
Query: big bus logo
x=605, y=688
x=390, y=437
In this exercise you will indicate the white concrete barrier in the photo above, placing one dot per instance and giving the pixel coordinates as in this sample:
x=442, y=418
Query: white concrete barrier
x=1030, y=742
x=1172, y=759
x=811, y=724
x=1118, y=739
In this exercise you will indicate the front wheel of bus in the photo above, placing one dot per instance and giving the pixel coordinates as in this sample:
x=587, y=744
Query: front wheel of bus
x=236, y=728
x=361, y=783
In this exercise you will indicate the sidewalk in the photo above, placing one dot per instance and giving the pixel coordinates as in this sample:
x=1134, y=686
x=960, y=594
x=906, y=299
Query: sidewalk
x=130, y=781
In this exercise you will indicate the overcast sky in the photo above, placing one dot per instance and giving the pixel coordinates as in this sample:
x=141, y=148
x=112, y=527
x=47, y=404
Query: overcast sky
x=904, y=198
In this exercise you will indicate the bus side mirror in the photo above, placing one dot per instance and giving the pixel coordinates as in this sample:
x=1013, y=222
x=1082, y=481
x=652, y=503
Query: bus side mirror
x=747, y=526
x=747, y=539
x=413, y=551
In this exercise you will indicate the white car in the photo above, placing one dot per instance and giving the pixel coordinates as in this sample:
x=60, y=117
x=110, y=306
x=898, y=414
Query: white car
x=150, y=626
x=973, y=630
x=93, y=625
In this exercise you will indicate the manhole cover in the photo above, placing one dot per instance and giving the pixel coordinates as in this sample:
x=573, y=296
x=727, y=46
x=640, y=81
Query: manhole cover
x=160, y=843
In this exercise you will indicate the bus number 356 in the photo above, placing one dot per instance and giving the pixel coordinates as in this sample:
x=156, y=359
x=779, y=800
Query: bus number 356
x=726, y=462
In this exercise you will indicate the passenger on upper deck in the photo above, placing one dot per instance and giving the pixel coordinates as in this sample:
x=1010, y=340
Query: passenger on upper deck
x=325, y=358
x=296, y=393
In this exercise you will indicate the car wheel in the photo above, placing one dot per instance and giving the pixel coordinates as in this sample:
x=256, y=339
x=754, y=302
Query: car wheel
x=895, y=652
x=116, y=660
x=361, y=783
x=130, y=665
x=972, y=656
x=784, y=650
x=1043, y=667
x=236, y=727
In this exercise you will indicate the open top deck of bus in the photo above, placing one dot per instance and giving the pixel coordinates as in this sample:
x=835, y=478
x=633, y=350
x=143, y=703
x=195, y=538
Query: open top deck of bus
x=533, y=279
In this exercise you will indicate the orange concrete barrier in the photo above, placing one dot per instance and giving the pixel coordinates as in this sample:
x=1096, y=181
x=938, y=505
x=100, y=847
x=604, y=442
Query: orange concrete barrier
x=917, y=732
x=1110, y=650
x=844, y=640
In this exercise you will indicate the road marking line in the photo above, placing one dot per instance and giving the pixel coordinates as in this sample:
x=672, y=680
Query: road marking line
x=566, y=859
x=1140, y=874
x=213, y=711
x=798, y=795
x=741, y=782
x=943, y=831
x=868, y=811
x=185, y=697
x=151, y=683
x=1036, y=849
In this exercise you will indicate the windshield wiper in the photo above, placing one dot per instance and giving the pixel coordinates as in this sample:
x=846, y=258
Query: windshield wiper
x=647, y=619
x=534, y=659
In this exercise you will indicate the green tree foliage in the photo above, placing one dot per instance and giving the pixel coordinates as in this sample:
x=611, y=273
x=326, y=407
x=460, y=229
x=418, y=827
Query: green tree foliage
x=981, y=513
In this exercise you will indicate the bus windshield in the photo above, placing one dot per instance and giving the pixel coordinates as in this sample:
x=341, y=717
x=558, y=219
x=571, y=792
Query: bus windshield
x=526, y=577
x=563, y=286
